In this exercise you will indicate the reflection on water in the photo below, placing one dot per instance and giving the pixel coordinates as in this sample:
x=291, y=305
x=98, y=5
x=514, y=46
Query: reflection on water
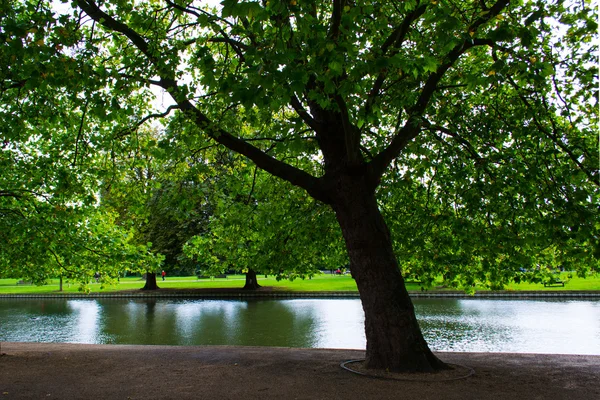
x=561, y=327
x=569, y=327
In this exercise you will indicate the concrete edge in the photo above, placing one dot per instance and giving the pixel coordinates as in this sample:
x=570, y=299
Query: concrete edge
x=304, y=295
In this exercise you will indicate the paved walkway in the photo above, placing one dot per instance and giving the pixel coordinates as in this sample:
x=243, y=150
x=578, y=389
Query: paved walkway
x=71, y=371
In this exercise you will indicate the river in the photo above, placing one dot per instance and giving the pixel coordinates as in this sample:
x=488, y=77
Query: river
x=471, y=325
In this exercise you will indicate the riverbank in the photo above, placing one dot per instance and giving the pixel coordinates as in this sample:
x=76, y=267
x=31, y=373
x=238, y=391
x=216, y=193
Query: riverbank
x=276, y=293
x=75, y=371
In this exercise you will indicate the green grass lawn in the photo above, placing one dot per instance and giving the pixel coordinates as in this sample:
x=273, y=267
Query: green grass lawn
x=323, y=282
x=591, y=282
x=317, y=283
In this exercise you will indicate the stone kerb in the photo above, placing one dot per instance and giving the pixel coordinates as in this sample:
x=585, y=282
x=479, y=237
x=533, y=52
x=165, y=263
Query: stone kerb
x=324, y=294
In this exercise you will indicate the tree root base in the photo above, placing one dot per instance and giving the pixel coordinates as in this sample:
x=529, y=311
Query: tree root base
x=455, y=372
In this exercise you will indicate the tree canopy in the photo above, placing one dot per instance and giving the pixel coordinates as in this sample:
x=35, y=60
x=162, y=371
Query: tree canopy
x=472, y=127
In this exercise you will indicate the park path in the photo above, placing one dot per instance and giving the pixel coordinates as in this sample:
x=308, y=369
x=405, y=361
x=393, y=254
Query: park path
x=75, y=371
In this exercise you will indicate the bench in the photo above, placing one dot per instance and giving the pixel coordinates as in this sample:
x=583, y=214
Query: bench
x=22, y=282
x=556, y=282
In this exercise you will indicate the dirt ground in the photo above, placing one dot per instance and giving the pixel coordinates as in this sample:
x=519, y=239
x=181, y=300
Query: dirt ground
x=75, y=371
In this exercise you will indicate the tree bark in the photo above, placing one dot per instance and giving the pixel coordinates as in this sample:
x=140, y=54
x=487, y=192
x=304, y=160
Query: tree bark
x=394, y=338
x=251, y=280
x=150, y=282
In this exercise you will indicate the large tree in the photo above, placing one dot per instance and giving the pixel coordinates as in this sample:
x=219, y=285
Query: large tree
x=497, y=98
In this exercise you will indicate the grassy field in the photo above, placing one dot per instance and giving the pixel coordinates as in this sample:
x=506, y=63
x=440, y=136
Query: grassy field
x=318, y=283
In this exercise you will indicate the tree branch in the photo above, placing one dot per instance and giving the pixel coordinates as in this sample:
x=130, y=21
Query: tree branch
x=351, y=135
x=15, y=85
x=6, y=193
x=275, y=167
x=413, y=124
x=92, y=9
x=253, y=185
x=145, y=119
x=554, y=136
x=16, y=193
x=467, y=145
x=395, y=39
x=235, y=45
x=79, y=132
x=301, y=111
x=336, y=19
x=182, y=9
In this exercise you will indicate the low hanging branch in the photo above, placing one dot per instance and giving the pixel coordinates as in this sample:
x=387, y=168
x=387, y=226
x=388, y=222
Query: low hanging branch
x=80, y=132
x=554, y=136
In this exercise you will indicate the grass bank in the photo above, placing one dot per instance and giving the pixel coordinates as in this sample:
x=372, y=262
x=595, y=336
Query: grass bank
x=320, y=283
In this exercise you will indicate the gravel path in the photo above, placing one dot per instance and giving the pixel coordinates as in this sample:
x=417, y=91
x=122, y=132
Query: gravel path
x=75, y=371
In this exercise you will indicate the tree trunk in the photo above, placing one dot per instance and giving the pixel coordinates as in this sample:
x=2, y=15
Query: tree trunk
x=394, y=338
x=60, y=284
x=150, y=282
x=251, y=280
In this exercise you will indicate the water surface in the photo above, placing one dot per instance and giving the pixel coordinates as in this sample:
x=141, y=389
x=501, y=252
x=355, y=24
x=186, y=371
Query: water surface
x=525, y=326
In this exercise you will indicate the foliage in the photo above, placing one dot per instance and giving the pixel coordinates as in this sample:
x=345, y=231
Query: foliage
x=266, y=225
x=163, y=201
x=42, y=239
x=512, y=106
x=53, y=158
x=504, y=184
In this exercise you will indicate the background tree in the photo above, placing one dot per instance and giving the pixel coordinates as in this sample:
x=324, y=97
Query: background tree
x=333, y=97
x=261, y=225
x=50, y=225
x=53, y=158
x=159, y=191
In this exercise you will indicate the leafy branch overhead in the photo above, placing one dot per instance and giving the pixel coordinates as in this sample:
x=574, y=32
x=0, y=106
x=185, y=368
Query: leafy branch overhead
x=348, y=86
x=367, y=81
